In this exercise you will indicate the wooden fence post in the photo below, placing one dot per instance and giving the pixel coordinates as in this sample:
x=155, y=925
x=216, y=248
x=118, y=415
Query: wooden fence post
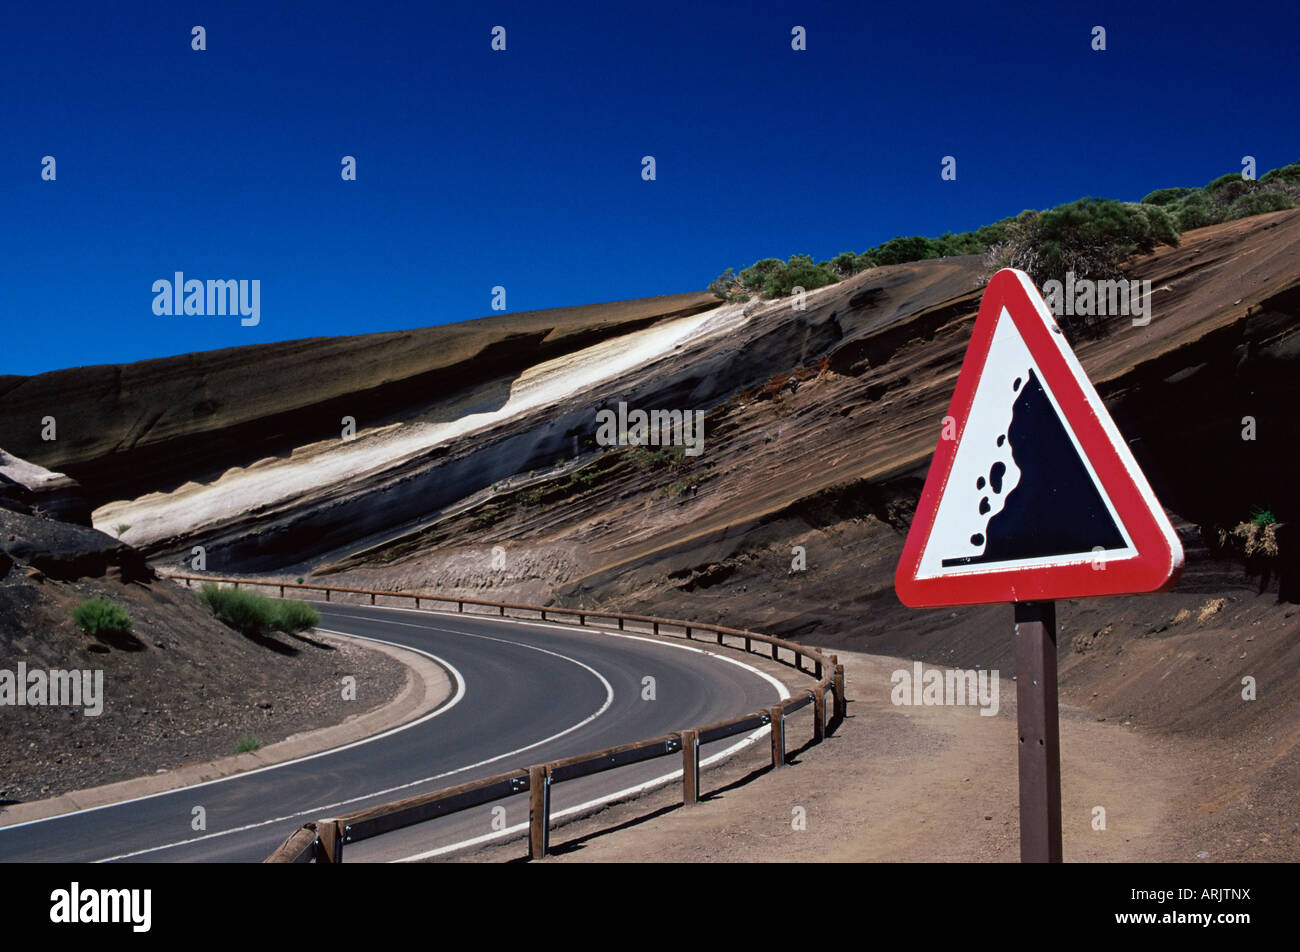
x=690, y=767
x=539, y=811
x=330, y=847
x=777, y=715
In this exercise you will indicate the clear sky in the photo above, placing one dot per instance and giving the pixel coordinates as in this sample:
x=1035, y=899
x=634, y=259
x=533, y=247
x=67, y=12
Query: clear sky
x=523, y=168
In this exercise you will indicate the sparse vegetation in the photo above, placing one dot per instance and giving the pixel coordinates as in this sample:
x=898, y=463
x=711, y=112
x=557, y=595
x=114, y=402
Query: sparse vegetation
x=99, y=616
x=1211, y=608
x=683, y=485
x=121, y=528
x=1258, y=534
x=1091, y=236
x=664, y=457
x=247, y=744
x=1230, y=197
x=294, y=616
x=253, y=614
x=773, y=278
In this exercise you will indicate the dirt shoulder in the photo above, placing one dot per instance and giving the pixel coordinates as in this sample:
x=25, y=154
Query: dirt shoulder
x=916, y=783
x=179, y=693
x=426, y=687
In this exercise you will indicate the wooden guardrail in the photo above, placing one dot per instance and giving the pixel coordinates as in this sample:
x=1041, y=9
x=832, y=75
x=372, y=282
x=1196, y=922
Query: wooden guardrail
x=323, y=840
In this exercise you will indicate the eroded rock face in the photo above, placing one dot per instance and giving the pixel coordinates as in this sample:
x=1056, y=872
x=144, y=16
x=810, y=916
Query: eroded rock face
x=128, y=429
x=64, y=550
x=438, y=451
x=28, y=488
x=834, y=462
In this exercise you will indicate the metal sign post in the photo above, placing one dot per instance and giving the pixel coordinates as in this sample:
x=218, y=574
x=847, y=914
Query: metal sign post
x=1040, y=742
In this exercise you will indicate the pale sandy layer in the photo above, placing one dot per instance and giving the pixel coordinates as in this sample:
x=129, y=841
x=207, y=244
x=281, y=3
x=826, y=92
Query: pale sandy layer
x=274, y=480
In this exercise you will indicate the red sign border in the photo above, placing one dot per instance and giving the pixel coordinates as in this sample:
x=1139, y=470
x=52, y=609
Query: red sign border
x=1158, y=561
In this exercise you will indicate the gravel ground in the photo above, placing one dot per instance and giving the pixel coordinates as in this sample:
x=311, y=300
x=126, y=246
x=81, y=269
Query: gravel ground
x=180, y=688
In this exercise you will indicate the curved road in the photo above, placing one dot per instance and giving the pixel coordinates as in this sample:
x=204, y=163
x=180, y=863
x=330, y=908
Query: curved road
x=523, y=693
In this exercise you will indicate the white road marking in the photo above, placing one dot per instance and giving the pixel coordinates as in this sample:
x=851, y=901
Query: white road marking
x=319, y=810
x=609, y=797
x=456, y=699
x=782, y=692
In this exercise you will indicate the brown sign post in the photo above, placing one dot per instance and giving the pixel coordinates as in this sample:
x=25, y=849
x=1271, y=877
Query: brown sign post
x=1040, y=743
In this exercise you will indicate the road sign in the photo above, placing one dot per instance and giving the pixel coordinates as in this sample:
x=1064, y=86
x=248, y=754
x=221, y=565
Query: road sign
x=1032, y=494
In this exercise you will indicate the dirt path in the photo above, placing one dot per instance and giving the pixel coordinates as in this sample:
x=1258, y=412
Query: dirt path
x=902, y=783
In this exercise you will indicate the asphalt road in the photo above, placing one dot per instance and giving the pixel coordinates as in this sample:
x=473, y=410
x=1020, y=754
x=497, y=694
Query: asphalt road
x=522, y=694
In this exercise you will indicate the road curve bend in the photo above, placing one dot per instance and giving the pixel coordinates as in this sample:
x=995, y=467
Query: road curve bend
x=524, y=693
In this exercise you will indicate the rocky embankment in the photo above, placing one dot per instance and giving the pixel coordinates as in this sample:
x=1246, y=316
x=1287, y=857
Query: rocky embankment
x=175, y=688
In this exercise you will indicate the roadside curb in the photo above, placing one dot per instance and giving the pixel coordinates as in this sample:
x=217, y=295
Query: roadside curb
x=427, y=687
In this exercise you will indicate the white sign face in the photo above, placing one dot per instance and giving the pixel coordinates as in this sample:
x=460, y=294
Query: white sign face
x=985, y=476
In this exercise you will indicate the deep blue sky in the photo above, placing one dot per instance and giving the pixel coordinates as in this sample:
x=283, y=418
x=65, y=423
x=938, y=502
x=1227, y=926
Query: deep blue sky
x=523, y=168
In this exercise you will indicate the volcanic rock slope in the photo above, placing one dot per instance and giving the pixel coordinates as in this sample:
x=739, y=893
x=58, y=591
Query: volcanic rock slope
x=820, y=422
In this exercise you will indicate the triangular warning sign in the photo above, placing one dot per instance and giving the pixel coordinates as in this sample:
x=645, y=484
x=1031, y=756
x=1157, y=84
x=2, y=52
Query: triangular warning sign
x=1032, y=493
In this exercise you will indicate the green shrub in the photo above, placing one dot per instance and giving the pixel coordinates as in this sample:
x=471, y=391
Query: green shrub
x=990, y=235
x=728, y=287
x=292, y=616
x=1167, y=196
x=773, y=278
x=1092, y=237
x=1233, y=182
x=966, y=243
x=756, y=275
x=1195, y=210
x=1257, y=203
x=1286, y=175
x=900, y=250
x=800, y=272
x=1261, y=516
x=244, y=611
x=252, y=614
x=246, y=744
x=99, y=616
x=843, y=265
